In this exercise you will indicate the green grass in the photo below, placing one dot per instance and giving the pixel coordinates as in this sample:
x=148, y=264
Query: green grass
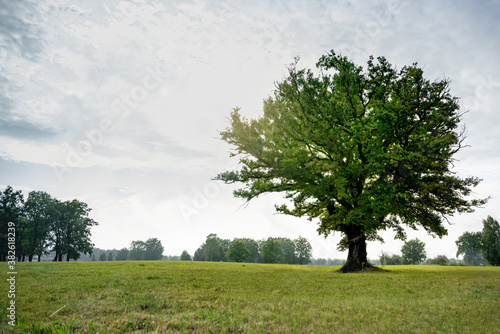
x=204, y=297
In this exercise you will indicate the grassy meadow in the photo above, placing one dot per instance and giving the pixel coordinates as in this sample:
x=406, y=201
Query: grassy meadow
x=205, y=297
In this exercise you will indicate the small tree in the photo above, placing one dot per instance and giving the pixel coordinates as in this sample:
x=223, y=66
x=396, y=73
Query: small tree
x=272, y=251
x=102, y=257
x=469, y=245
x=253, y=247
x=110, y=256
x=122, y=255
x=289, y=250
x=383, y=258
x=154, y=249
x=490, y=239
x=137, y=250
x=185, y=256
x=413, y=252
x=212, y=249
x=199, y=254
x=238, y=252
x=303, y=250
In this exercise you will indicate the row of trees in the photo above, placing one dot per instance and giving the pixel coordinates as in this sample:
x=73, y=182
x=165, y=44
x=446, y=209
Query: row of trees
x=272, y=250
x=44, y=224
x=151, y=249
x=481, y=247
x=478, y=248
x=413, y=252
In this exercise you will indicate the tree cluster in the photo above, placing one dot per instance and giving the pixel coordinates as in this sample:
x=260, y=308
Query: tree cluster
x=44, y=224
x=413, y=252
x=272, y=250
x=479, y=248
x=148, y=250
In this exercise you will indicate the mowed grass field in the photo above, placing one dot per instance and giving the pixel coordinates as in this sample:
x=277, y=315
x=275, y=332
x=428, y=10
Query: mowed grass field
x=205, y=297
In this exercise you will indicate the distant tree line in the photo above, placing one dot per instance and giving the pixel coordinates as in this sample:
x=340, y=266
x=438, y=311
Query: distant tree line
x=44, y=225
x=148, y=250
x=413, y=252
x=481, y=247
x=272, y=250
x=477, y=248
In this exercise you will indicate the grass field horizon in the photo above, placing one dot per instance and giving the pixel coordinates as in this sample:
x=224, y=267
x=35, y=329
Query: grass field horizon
x=213, y=297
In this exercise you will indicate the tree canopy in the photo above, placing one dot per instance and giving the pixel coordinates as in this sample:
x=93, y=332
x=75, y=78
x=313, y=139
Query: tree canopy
x=490, y=240
x=358, y=150
x=413, y=252
x=469, y=244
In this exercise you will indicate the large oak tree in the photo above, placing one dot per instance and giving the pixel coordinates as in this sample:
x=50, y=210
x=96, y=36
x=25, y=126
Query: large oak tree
x=359, y=150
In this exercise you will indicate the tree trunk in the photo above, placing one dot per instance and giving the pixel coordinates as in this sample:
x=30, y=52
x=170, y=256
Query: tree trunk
x=356, y=258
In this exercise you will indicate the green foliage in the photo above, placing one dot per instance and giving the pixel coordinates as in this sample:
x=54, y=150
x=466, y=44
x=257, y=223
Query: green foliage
x=490, y=239
x=102, y=257
x=39, y=211
x=440, y=260
x=388, y=260
x=361, y=150
x=303, y=251
x=150, y=249
x=272, y=251
x=469, y=245
x=296, y=251
x=122, y=255
x=238, y=251
x=185, y=256
x=253, y=247
x=413, y=252
x=198, y=254
x=137, y=250
x=11, y=210
x=154, y=249
x=44, y=222
x=110, y=256
x=215, y=248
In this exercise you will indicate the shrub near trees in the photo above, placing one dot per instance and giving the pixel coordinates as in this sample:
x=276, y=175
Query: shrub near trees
x=185, y=256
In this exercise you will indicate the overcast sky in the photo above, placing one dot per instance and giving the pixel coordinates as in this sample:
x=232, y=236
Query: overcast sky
x=119, y=104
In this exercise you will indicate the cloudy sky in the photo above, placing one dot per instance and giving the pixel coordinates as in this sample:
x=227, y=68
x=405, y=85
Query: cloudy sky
x=119, y=103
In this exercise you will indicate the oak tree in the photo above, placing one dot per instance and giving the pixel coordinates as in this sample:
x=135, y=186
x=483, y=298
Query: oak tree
x=360, y=150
